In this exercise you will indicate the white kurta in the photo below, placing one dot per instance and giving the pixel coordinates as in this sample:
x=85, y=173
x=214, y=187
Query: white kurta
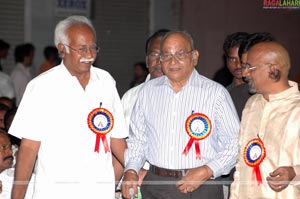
x=54, y=110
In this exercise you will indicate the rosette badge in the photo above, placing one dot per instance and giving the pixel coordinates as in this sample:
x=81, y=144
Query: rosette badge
x=100, y=121
x=198, y=127
x=254, y=154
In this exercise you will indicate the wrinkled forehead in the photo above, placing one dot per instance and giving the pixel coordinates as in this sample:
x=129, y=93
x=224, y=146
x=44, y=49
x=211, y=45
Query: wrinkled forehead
x=4, y=140
x=80, y=31
x=176, y=40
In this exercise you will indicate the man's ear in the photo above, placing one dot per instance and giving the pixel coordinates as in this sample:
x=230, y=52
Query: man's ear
x=61, y=50
x=195, y=56
x=274, y=73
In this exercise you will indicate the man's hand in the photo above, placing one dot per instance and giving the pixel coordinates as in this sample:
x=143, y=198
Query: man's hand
x=280, y=178
x=130, y=181
x=194, y=179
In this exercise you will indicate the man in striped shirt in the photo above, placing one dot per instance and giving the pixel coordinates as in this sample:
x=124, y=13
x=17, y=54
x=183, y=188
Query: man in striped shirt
x=184, y=125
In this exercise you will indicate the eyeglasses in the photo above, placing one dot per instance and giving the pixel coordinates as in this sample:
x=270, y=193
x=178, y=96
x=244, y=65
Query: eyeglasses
x=84, y=49
x=153, y=56
x=180, y=55
x=247, y=67
x=5, y=147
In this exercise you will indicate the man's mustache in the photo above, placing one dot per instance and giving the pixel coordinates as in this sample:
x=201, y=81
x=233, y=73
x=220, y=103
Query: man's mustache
x=8, y=157
x=87, y=60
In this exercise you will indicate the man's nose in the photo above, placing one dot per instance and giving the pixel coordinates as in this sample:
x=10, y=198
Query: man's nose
x=174, y=59
x=239, y=64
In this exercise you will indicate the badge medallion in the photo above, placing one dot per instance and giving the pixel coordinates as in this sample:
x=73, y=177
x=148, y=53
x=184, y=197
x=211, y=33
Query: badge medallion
x=198, y=127
x=254, y=154
x=100, y=121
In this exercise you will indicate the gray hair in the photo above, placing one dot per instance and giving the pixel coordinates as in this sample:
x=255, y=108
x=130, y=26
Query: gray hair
x=60, y=35
x=182, y=32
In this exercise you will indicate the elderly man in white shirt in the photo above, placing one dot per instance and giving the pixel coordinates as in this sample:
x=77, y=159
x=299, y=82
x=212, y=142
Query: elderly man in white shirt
x=185, y=125
x=71, y=120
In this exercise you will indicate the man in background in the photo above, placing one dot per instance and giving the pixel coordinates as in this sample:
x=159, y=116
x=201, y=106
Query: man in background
x=21, y=74
x=51, y=58
x=231, y=48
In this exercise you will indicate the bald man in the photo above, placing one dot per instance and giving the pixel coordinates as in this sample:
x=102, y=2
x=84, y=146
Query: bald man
x=269, y=143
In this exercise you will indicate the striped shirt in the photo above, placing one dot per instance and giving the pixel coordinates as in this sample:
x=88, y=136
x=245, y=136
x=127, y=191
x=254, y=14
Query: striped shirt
x=158, y=133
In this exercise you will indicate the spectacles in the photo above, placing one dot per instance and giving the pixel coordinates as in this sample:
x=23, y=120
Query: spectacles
x=84, y=49
x=153, y=56
x=4, y=147
x=180, y=55
x=248, y=67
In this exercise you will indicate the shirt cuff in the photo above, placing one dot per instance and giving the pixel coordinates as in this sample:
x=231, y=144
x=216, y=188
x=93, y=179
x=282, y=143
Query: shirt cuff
x=216, y=168
x=296, y=179
x=146, y=166
x=132, y=166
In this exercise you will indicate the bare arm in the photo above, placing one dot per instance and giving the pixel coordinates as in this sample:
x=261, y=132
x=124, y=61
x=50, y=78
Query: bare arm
x=25, y=162
x=118, y=168
x=118, y=147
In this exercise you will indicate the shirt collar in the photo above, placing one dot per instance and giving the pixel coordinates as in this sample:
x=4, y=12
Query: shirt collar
x=147, y=78
x=286, y=93
x=93, y=74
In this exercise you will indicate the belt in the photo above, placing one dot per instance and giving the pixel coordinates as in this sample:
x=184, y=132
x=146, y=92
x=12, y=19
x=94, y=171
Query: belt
x=178, y=173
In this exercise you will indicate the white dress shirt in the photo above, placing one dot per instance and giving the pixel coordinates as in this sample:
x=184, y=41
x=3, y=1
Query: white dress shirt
x=157, y=127
x=54, y=110
x=129, y=99
x=7, y=88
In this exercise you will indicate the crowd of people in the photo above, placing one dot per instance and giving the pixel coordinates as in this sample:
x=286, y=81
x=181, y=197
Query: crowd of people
x=175, y=134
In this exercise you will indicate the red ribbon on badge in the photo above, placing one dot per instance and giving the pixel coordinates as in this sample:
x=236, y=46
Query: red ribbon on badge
x=254, y=154
x=105, y=144
x=189, y=145
x=100, y=121
x=198, y=127
x=256, y=172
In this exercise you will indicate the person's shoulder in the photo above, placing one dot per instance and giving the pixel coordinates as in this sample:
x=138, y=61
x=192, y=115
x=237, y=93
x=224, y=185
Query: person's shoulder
x=210, y=84
x=51, y=72
x=48, y=78
x=133, y=91
x=102, y=74
x=155, y=82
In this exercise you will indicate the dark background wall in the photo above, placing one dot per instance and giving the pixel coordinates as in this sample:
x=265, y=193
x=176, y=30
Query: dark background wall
x=210, y=22
x=123, y=27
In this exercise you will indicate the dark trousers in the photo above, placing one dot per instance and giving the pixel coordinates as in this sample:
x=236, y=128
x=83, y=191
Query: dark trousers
x=157, y=187
x=228, y=179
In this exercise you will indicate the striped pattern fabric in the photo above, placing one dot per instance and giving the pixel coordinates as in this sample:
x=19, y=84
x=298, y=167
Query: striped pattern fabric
x=157, y=126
